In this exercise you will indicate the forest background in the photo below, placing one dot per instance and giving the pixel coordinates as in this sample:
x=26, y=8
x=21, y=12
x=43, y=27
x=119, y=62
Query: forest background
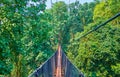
x=29, y=36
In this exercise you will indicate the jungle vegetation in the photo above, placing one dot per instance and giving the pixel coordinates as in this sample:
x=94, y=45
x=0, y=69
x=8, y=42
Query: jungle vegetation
x=29, y=35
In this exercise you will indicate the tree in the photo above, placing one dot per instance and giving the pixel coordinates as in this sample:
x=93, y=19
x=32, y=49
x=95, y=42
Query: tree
x=21, y=38
x=97, y=54
x=85, y=15
x=99, y=51
x=110, y=8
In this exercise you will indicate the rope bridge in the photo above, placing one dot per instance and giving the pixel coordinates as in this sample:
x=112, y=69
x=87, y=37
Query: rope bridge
x=57, y=66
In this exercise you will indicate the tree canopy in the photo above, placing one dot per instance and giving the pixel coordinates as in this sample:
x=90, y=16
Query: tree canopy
x=30, y=33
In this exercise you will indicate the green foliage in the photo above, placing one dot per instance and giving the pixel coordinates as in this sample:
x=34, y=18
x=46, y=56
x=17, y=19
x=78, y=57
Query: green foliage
x=29, y=35
x=99, y=51
x=97, y=54
x=107, y=8
x=22, y=32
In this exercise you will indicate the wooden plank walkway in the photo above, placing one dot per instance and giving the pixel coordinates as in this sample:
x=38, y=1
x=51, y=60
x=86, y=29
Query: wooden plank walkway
x=57, y=66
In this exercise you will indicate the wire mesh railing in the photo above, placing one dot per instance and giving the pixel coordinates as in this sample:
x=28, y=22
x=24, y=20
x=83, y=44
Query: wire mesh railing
x=49, y=68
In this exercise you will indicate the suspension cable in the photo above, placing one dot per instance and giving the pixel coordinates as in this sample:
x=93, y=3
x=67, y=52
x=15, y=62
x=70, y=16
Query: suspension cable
x=102, y=24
